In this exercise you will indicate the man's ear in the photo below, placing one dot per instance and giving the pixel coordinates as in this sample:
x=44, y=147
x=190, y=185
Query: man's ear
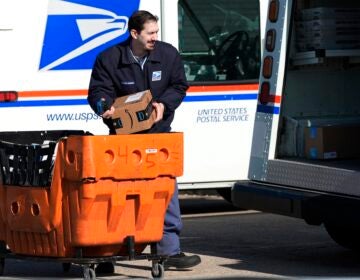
x=133, y=33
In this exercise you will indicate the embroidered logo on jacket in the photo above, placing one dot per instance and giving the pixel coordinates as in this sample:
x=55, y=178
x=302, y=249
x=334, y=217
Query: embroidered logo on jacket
x=156, y=76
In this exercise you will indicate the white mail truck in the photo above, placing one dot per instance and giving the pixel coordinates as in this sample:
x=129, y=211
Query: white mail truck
x=48, y=48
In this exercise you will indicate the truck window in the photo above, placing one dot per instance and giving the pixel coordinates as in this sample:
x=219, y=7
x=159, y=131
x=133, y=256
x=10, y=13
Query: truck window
x=219, y=40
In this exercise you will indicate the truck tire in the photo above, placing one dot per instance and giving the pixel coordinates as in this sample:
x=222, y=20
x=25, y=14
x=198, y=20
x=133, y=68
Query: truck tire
x=345, y=236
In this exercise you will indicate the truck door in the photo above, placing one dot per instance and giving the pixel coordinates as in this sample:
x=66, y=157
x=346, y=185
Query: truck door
x=270, y=89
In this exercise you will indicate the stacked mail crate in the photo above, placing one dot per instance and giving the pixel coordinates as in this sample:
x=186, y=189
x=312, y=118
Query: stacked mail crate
x=328, y=28
x=102, y=190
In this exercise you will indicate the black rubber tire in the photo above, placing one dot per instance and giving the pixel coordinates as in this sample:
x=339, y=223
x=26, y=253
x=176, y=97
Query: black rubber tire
x=345, y=236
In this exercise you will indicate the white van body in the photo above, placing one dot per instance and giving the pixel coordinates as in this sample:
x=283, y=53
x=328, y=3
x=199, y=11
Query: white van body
x=47, y=52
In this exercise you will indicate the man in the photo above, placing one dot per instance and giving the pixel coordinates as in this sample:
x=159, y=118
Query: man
x=138, y=64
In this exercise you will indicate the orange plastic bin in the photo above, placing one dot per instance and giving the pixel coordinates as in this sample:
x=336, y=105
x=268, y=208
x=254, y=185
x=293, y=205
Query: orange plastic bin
x=103, y=189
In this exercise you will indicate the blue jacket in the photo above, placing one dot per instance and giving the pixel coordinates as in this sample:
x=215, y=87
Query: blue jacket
x=116, y=73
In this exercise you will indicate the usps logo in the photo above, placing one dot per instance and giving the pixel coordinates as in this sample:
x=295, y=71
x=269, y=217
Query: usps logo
x=156, y=76
x=77, y=30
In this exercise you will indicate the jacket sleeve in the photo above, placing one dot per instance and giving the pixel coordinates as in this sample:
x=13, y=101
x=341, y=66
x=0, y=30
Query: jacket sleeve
x=101, y=86
x=176, y=91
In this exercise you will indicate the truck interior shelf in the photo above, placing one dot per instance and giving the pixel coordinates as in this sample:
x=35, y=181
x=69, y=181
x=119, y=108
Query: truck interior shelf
x=319, y=56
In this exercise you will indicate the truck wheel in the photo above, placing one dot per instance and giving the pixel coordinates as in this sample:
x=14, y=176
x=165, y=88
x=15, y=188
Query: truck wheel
x=345, y=236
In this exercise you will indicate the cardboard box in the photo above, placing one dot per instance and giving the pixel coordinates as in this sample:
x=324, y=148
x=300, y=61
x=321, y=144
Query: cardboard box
x=332, y=142
x=133, y=113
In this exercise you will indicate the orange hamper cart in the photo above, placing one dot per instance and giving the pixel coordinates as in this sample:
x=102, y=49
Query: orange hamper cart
x=100, y=198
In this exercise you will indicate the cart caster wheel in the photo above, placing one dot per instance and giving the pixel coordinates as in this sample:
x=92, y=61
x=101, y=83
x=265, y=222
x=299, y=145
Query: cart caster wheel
x=157, y=270
x=66, y=267
x=89, y=272
x=2, y=266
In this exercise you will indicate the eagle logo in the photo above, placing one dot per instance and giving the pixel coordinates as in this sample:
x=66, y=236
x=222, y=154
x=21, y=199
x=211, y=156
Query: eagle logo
x=75, y=32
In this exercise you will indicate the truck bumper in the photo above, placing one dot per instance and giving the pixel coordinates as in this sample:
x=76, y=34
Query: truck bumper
x=314, y=207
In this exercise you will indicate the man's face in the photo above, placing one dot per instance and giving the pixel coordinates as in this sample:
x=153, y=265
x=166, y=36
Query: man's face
x=148, y=35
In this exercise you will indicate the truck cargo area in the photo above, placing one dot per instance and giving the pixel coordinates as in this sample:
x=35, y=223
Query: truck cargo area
x=305, y=157
x=319, y=125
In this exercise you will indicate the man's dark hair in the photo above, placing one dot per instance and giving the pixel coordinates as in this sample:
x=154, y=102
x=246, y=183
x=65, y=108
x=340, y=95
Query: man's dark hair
x=139, y=18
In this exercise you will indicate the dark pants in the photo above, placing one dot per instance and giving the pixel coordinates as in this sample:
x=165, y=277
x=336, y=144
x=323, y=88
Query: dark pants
x=170, y=244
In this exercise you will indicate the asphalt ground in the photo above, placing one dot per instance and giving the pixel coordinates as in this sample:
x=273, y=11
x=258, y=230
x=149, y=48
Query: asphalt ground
x=233, y=244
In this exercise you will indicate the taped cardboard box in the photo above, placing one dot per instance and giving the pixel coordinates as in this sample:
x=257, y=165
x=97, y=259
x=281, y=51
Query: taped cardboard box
x=133, y=113
x=332, y=142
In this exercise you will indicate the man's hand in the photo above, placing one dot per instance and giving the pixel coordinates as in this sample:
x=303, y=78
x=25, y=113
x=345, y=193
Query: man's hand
x=159, y=109
x=108, y=114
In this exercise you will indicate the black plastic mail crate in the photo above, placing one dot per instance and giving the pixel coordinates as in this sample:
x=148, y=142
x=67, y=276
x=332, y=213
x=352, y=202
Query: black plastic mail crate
x=27, y=158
